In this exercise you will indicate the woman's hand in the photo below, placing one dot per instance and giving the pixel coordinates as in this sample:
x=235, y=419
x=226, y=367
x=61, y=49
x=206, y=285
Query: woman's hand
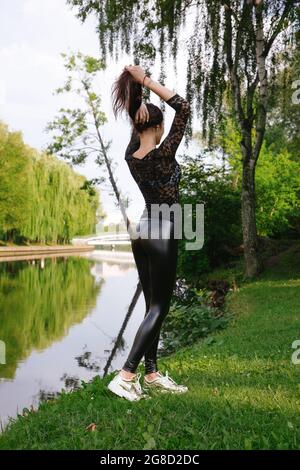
x=142, y=114
x=136, y=71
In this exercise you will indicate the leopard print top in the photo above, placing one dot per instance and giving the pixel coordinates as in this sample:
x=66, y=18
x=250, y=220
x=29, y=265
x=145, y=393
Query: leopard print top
x=158, y=172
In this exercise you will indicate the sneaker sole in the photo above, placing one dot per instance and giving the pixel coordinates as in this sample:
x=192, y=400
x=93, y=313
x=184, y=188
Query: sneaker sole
x=161, y=389
x=121, y=393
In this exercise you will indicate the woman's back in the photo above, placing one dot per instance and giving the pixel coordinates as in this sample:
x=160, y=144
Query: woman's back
x=158, y=173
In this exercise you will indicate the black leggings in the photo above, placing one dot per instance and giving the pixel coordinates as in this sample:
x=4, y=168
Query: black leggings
x=156, y=261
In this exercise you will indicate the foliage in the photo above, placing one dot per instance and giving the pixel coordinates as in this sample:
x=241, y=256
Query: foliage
x=222, y=41
x=191, y=316
x=187, y=323
x=243, y=387
x=41, y=198
x=232, y=50
x=15, y=198
x=277, y=179
x=284, y=105
x=75, y=137
x=213, y=187
x=277, y=193
x=76, y=132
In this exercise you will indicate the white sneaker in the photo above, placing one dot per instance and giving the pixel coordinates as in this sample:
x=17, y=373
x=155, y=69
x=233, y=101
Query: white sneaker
x=129, y=389
x=165, y=384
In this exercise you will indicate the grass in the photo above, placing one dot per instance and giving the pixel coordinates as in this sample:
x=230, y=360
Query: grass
x=244, y=390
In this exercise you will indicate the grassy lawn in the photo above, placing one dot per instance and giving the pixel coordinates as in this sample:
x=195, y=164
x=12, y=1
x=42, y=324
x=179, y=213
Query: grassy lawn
x=244, y=390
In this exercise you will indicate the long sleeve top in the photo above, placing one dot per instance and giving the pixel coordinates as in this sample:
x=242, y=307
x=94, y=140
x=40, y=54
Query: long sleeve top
x=158, y=172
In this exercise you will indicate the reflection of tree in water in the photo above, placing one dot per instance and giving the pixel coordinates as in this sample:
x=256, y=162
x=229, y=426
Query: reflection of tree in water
x=121, y=266
x=45, y=396
x=84, y=361
x=125, y=266
x=119, y=342
x=71, y=383
x=38, y=304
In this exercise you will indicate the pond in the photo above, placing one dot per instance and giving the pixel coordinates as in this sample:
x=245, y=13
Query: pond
x=62, y=320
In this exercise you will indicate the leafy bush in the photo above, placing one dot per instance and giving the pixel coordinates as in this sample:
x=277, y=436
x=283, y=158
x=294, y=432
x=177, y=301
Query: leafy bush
x=277, y=193
x=277, y=174
x=190, y=320
x=214, y=188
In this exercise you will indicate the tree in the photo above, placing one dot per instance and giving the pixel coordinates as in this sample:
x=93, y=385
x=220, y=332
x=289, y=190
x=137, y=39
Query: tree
x=14, y=189
x=78, y=130
x=231, y=49
x=284, y=105
x=42, y=199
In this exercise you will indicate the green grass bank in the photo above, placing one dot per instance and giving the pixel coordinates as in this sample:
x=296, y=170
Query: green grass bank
x=244, y=389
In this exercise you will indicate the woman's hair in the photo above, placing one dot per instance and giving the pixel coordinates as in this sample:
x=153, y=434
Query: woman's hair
x=127, y=95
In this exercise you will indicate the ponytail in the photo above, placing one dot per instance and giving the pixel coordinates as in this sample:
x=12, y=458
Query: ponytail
x=126, y=95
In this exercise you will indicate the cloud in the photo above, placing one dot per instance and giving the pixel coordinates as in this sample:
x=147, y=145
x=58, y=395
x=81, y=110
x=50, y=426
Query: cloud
x=27, y=70
x=35, y=33
x=52, y=24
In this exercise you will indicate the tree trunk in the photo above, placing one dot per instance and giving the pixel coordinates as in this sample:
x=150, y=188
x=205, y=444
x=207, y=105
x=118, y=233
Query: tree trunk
x=253, y=264
x=10, y=236
x=252, y=259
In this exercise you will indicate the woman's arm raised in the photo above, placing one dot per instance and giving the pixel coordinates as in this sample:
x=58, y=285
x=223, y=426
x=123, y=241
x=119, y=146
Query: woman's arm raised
x=181, y=106
x=139, y=76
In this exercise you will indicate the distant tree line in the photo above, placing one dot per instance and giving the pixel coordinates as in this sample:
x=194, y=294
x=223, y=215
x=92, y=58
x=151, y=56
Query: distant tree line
x=42, y=199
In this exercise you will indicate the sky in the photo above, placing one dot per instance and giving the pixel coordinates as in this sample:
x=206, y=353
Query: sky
x=33, y=35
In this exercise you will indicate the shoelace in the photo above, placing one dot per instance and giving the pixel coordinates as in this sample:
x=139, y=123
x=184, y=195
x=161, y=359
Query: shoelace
x=167, y=379
x=136, y=384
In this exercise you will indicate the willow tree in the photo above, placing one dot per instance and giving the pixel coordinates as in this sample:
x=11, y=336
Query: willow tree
x=61, y=206
x=232, y=46
x=42, y=199
x=14, y=187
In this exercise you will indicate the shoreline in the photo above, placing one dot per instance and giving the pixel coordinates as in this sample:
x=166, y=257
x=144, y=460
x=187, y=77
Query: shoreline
x=240, y=378
x=15, y=253
x=242, y=386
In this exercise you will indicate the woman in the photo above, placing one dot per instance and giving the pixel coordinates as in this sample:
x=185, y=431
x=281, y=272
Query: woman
x=157, y=174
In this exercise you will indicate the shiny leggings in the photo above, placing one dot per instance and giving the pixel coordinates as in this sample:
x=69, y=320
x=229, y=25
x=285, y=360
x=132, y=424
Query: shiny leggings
x=156, y=261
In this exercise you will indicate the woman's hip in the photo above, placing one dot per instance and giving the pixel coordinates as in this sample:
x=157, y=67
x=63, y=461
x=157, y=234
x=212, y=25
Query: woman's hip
x=155, y=228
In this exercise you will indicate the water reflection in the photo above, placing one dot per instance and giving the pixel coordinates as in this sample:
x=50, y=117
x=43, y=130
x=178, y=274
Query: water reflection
x=39, y=302
x=64, y=320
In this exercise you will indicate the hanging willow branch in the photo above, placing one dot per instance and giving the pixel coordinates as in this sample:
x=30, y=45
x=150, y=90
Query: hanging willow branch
x=145, y=28
x=231, y=46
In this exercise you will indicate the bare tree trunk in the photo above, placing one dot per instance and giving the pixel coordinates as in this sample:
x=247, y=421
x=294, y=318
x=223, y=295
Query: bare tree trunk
x=10, y=236
x=253, y=263
x=250, y=155
x=109, y=169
